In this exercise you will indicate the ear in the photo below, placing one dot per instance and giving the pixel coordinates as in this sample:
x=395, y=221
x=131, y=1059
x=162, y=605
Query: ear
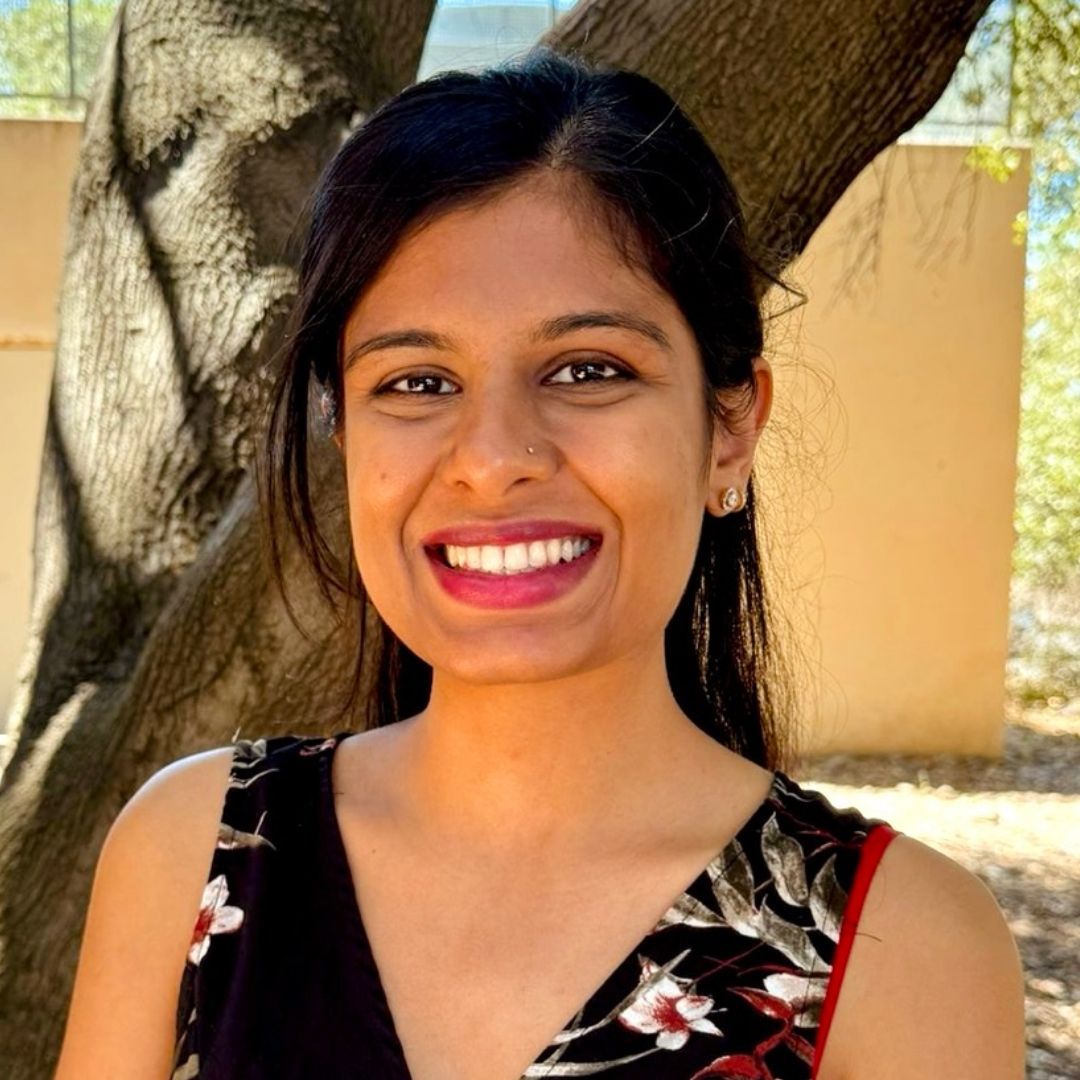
x=328, y=411
x=733, y=449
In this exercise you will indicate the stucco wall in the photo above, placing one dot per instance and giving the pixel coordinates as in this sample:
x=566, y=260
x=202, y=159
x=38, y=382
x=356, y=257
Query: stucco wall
x=37, y=163
x=886, y=477
x=901, y=580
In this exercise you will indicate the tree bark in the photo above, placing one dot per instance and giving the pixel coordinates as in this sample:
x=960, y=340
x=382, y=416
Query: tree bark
x=796, y=99
x=155, y=631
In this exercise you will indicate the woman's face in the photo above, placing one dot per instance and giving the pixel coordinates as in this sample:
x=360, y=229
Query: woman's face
x=486, y=362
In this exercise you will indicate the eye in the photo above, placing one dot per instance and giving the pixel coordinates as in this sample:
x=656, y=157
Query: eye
x=413, y=380
x=419, y=382
x=621, y=373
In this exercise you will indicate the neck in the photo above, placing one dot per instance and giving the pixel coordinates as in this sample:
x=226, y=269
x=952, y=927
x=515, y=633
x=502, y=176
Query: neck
x=558, y=765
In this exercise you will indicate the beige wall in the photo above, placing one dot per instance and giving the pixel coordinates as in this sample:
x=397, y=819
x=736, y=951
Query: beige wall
x=903, y=573
x=886, y=476
x=37, y=163
x=26, y=375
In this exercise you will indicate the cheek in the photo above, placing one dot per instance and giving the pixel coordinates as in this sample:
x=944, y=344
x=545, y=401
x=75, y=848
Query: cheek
x=383, y=485
x=648, y=480
x=654, y=464
x=381, y=467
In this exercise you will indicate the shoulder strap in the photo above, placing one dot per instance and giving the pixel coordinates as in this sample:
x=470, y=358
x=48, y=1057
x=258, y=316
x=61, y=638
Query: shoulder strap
x=266, y=821
x=873, y=847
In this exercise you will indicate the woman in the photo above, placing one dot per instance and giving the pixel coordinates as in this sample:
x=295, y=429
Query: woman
x=563, y=843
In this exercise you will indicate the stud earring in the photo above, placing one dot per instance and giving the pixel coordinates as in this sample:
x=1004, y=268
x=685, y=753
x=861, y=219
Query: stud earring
x=733, y=500
x=328, y=408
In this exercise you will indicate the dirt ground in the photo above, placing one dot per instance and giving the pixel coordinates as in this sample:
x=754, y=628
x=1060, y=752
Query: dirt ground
x=1016, y=824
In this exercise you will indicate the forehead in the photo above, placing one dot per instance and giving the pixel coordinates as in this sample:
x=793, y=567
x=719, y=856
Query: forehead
x=536, y=249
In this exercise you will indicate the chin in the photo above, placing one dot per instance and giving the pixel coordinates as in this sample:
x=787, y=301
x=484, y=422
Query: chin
x=495, y=667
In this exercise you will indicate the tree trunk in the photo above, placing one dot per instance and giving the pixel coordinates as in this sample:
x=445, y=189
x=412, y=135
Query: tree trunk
x=155, y=631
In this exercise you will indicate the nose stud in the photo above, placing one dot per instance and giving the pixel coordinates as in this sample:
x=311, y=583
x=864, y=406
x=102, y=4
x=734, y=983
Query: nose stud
x=529, y=449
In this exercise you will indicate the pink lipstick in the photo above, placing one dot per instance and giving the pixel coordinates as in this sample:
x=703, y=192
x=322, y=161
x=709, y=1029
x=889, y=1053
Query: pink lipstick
x=527, y=588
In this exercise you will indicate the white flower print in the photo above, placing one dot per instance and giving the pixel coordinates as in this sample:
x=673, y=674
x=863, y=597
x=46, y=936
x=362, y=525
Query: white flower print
x=215, y=917
x=804, y=994
x=663, y=1007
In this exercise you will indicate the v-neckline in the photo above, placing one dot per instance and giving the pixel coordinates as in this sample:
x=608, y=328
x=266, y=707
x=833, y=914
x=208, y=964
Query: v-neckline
x=366, y=963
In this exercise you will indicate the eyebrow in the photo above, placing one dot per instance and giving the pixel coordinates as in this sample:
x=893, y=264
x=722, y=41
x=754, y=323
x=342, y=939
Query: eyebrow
x=548, y=330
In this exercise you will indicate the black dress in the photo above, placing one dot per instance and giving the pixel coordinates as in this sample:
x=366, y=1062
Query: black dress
x=738, y=979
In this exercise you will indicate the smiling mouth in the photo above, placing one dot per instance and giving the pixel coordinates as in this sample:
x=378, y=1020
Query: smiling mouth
x=439, y=553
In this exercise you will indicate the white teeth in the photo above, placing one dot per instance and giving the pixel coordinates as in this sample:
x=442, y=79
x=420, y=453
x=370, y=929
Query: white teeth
x=517, y=558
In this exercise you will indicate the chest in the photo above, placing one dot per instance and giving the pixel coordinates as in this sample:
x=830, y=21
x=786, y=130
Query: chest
x=480, y=974
x=481, y=968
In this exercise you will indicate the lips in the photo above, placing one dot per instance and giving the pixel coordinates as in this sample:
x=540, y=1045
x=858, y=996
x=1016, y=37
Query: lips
x=507, y=591
x=509, y=532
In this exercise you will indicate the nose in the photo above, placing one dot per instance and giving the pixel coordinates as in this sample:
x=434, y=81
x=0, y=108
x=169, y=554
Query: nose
x=488, y=446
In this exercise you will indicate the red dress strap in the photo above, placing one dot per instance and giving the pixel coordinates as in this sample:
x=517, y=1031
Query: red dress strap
x=877, y=840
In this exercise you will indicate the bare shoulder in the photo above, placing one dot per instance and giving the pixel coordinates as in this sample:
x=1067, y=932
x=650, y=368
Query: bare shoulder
x=200, y=777
x=144, y=901
x=934, y=985
x=168, y=828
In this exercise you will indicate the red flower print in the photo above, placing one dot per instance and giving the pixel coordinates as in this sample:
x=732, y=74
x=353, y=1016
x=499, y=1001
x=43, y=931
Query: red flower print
x=215, y=917
x=734, y=1067
x=662, y=1006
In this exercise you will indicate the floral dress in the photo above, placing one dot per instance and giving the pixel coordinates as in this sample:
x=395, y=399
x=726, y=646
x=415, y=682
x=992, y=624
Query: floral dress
x=738, y=979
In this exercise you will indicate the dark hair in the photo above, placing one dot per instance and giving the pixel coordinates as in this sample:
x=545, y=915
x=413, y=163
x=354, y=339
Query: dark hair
x=457, y=139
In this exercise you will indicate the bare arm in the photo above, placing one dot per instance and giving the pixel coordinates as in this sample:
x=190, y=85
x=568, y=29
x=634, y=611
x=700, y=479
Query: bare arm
x=143, y=905
x=934, y=986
